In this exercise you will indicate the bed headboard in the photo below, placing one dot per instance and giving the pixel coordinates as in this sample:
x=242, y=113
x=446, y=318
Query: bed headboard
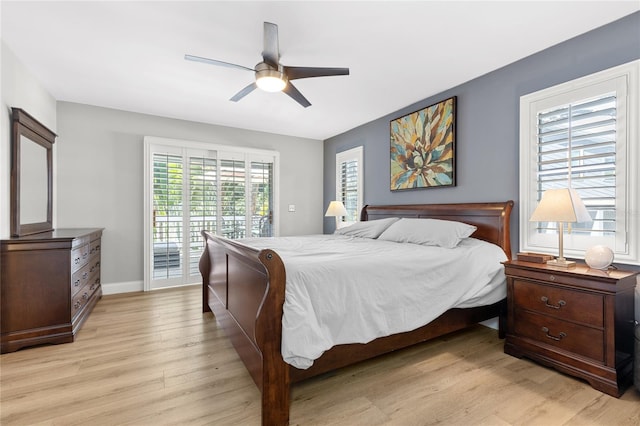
x=491, y=219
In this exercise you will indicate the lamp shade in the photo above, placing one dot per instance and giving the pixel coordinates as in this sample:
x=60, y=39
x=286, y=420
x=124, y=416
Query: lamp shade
x=560, y=205
x=336, y=208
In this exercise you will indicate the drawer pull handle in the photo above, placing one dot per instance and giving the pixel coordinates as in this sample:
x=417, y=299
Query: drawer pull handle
x=560, y=304
x=557, y=338
x=77, y=304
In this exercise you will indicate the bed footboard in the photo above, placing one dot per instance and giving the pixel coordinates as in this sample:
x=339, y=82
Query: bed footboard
x=244, y=288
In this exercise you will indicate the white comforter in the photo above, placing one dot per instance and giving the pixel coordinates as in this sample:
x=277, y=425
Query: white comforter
x=342, y=289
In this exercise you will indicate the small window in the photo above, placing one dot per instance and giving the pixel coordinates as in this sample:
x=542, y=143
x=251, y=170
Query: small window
x=349, y=186
x=580, y=135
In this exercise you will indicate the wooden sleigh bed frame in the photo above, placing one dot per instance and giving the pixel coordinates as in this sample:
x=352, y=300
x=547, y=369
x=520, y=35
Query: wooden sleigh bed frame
x=245, y=290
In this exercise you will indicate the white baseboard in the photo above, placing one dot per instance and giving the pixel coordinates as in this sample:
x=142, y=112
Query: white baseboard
x=122, y=287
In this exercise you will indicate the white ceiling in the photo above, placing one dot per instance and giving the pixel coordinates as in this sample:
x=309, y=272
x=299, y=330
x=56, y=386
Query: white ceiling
x=130, y=55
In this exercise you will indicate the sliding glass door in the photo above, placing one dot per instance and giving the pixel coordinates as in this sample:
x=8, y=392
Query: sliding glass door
x=227, y=193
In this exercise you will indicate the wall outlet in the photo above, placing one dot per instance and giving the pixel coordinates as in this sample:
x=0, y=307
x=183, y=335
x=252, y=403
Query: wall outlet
x=292, y=208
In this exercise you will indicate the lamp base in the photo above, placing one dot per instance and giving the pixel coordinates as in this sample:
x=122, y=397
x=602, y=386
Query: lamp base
x=561, y=263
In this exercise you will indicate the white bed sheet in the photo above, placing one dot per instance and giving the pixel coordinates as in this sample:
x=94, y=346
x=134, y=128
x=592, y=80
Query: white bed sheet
x=342, y=289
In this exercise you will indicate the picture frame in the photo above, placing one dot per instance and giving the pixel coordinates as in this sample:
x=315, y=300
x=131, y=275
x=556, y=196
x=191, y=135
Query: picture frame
x=422, y=148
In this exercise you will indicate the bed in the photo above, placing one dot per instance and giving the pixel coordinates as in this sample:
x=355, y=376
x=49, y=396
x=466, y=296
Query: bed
x=244, y=287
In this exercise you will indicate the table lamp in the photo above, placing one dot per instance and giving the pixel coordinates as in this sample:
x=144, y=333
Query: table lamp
x=560, y=205
x=337, y=209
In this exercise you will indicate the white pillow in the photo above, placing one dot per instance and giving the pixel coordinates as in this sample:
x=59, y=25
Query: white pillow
x=428, y=232
x=367, y=229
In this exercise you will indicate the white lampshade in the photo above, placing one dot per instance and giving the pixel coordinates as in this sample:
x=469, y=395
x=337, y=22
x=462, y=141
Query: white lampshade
x=560, y=205
x=336, y=208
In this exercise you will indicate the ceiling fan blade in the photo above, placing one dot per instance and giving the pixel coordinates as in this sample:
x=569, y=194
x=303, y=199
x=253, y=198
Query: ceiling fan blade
x=294, y=73
x=215, y=62
x=271, y=52
x=291, y=90
x=244, y=92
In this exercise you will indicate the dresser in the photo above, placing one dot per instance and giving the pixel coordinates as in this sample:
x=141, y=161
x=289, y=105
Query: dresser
x=50, y=282
x=577, y=320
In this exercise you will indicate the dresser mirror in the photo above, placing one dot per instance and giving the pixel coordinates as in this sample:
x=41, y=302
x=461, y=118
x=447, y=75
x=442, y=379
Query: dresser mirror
x=31, y=175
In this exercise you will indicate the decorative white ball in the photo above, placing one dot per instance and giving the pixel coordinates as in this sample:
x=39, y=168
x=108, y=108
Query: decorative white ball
x=598, y=257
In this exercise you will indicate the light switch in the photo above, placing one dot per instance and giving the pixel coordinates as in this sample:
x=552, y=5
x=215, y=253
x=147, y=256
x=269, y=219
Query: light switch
x=292, y=207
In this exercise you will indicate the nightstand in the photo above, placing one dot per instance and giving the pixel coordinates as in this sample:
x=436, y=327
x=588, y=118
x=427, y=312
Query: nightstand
x=577, y=320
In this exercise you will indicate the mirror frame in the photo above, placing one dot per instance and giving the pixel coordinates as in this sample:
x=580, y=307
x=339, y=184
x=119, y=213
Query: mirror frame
x=23, y=124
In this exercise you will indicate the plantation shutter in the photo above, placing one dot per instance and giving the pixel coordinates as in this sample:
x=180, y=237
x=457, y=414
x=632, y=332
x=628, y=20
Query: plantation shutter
x=167, y=215
x=349, y=189
x=349, y=182
x=261, y=199
x=576, y=148
x=232, y=198
x=202, y=205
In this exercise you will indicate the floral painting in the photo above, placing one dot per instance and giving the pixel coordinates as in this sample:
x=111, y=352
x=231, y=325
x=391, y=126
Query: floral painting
x=422, y=147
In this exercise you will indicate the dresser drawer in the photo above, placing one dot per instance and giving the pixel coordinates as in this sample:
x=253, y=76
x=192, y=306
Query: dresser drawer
x=570, y=337
x=94, y=265
x=80, y=278
x=83, y=296
x=94, y=248
x=565, y=304
x=79, y=257
x=79, y=300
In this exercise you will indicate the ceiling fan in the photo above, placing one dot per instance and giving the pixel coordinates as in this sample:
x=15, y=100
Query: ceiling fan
x=271, y=75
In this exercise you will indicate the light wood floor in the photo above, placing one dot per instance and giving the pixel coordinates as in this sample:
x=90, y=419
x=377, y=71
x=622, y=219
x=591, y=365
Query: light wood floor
x=154, y=358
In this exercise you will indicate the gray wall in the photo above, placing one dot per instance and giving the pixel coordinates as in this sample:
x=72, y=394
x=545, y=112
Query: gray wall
x=100, y=179
x=487, y=130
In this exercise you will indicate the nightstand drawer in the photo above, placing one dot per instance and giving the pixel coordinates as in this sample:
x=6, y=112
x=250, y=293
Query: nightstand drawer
x=586, y=341
x=572, y=305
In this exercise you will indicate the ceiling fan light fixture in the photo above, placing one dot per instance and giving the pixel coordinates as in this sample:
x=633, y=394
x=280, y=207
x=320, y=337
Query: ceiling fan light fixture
x=271, y=84
x=270, y=79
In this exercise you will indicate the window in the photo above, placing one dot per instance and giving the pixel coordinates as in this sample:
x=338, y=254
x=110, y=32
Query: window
x=192, y=186
x=584, y=135
x=349, y=186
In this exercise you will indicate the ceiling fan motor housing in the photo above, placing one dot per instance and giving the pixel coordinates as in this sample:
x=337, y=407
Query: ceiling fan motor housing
x=270, y=78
